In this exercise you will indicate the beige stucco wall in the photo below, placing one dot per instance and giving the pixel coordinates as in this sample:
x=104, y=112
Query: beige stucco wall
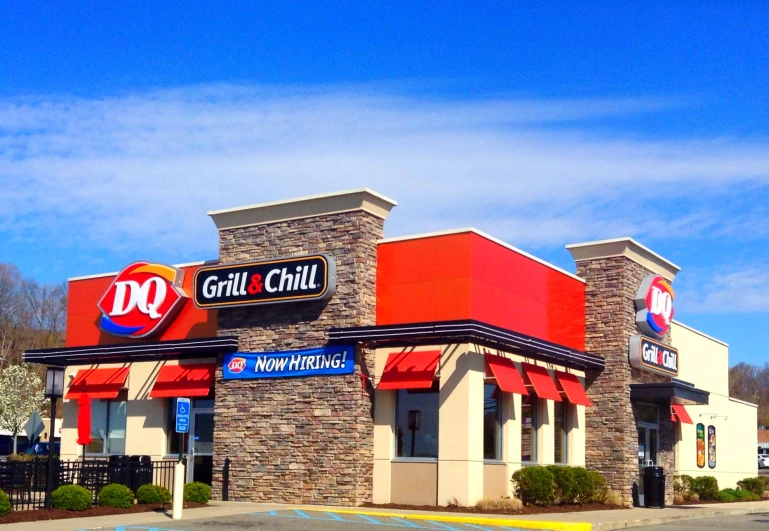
x=704, y=362
x=495, y=480
x=462, y=474
x=414, y=483
x=146, y=417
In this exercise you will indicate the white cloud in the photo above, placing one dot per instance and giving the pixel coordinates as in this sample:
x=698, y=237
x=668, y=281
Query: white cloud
x=740, y=291
x=146, y=167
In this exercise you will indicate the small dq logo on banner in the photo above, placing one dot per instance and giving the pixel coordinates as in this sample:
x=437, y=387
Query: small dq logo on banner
x=323, y=361
x=141, y=300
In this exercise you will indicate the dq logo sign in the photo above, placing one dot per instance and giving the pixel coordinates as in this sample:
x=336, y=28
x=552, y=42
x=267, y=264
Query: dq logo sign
x=142, y=298
x=654, y=305
x=236, y=365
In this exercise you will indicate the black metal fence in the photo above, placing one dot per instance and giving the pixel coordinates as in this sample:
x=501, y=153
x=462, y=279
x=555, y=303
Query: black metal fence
x=25, y=481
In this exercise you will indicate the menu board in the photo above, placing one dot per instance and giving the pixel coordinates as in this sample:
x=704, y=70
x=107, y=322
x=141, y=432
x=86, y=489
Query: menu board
x=711, y=446
x=701, y=445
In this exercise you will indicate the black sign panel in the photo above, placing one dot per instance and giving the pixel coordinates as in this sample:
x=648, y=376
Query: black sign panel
x=653, y=356
x=283, y=280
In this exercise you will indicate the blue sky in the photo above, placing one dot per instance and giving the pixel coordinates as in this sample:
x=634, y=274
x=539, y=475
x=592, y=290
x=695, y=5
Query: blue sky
x=121, y=125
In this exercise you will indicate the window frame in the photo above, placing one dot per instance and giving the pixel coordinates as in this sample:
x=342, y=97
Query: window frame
x=566, y=425
x=500, y=432
x=433, y=390
x=535, y=417
x=106, y=440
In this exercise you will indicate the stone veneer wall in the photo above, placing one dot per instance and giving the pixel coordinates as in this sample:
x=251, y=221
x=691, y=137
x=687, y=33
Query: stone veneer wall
x=302, y=440
x=611, y=435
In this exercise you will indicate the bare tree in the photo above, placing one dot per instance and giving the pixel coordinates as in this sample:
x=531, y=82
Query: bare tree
x=12, y=314
x=751, y=383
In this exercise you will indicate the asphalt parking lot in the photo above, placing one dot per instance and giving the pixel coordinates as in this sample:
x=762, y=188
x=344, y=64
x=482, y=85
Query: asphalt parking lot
x=723, y=523
x=301, y=520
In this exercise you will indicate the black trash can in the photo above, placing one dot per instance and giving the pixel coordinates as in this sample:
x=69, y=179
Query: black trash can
x=654, y=487
x=135, y=472
x=118, y=469
x=144, y=477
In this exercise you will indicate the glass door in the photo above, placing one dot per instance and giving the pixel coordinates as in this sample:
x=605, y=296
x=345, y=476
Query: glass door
x=648, y=448
x=200, y=450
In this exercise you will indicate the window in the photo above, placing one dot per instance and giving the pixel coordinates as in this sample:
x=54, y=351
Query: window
x=492, y=422
x=416, y=423
x=561, y=432
x=529, y=428
x=108, y=426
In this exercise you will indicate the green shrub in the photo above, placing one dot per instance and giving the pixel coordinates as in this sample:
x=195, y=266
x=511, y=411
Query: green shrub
x=116, y=495
x=153, y=494
x=5, y=504
x=71, y=498
x=534, y=485
x=746, y=495
x=590, y=486
x=197, y=492
x=765, y=481
x=706, y=487
x=754, y=485
x=683, y=485
x=727, y=496
x=565, y=483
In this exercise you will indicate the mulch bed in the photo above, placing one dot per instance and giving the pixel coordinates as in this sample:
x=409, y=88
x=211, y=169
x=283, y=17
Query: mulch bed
x=529, y=509
x=56, y=514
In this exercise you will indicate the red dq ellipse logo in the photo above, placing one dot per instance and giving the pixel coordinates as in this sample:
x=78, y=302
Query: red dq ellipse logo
x=236, y=365
x=654, y=305
x=141, y=300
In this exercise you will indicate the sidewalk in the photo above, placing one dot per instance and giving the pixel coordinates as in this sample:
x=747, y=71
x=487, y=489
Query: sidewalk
x=597, y=520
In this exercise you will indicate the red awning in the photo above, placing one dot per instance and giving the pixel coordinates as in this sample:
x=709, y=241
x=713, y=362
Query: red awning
x=410, y=370
x=573, y=389
x=508, y=377
x=543, y=384
x=98, y=383
x=680, y=414
x=184, y=380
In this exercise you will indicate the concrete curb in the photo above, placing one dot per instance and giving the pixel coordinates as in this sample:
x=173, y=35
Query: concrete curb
x=474, y=520
x=609, y=526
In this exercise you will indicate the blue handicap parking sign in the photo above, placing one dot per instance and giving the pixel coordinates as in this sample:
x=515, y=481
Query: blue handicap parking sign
x=182, y=415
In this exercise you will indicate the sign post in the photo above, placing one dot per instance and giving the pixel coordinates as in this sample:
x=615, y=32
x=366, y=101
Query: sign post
x=182, y=426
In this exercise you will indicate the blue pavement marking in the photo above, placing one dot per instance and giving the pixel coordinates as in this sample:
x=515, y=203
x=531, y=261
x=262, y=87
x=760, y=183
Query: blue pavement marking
x=408, y=524
x=444, y=526
x=478, y=527
x=355, y=518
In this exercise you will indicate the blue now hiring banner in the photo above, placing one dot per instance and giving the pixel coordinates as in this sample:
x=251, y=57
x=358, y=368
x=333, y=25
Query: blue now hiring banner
x=323, y=361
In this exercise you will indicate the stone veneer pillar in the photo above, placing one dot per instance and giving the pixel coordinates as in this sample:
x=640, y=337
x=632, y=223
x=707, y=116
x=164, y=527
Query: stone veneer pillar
x=613, y=271
x=300, y=440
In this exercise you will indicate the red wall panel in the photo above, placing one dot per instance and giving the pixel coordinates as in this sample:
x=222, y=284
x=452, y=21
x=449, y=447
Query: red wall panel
x=468, y=276
x=83, y=315
x=424, y=280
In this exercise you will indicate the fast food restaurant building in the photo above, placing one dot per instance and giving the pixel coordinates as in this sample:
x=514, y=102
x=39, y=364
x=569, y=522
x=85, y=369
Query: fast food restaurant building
x=331, y=365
